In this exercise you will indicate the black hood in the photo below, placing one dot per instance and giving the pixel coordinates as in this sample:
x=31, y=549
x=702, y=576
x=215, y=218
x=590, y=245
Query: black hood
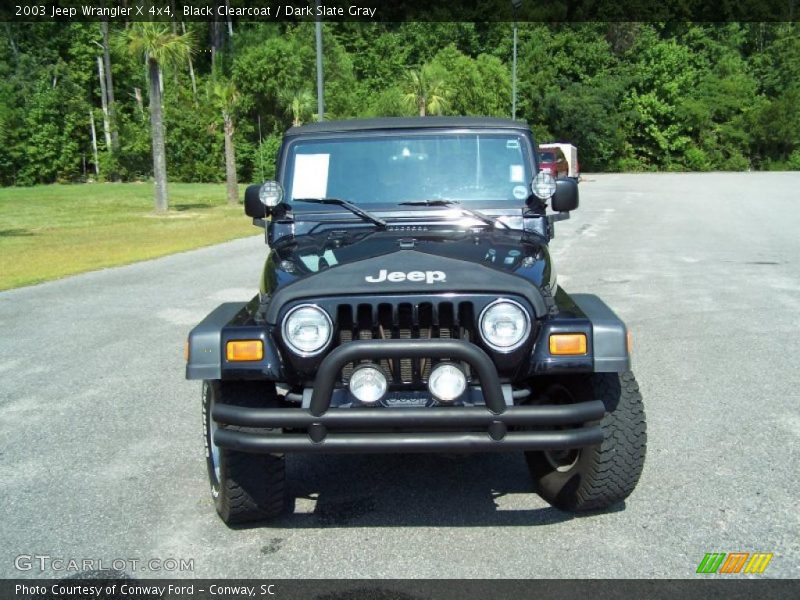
x=406, y=262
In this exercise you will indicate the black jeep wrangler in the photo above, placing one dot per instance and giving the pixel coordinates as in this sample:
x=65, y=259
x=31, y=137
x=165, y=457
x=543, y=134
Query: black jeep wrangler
x=409, y=303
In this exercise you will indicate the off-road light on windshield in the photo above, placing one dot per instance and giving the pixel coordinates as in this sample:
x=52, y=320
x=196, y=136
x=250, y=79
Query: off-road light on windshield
x=447, y=382
x=569, y=344
x=244, y=350
x=307, y=329
x=368, y=384
x=504, y=325
x=271, y=193
x=543, y=186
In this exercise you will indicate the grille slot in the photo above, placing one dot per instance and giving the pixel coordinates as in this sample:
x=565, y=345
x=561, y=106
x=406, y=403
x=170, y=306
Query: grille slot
x=405, y=320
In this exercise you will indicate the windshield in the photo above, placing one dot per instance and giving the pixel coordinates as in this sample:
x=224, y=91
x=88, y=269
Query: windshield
x=547, y=157
x=394, y=169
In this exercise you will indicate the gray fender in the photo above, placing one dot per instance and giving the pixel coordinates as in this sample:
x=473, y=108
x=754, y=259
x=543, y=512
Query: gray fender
x=205, y=342
x=609, y=335
x=231, y=321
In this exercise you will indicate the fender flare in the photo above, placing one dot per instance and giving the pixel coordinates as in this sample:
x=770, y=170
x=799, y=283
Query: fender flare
x=230, y=321
x=609, y=335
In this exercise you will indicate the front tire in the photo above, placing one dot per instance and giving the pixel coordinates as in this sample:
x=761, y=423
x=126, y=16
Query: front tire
x=597, y=477
x=245, y=487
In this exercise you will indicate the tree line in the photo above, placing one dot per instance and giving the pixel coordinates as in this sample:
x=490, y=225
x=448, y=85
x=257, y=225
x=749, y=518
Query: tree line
x=207, y=102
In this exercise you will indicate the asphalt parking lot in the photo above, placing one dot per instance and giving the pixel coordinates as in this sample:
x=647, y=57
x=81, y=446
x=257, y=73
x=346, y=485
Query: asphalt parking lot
x=102, y=454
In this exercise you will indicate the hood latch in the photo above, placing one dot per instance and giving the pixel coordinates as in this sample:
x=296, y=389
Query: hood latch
x=407, y=243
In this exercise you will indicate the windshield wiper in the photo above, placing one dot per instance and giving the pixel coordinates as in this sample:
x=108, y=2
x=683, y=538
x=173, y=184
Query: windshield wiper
x=345, y=204
x=478, y=215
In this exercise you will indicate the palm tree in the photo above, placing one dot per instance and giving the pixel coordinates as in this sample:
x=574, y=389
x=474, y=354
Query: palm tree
x=426, y=91
x=299, y=104
x=160, y=48
x=225, y=98
x=112, y=111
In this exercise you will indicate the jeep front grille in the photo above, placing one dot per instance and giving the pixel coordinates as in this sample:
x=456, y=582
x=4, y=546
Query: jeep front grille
x=405, y=320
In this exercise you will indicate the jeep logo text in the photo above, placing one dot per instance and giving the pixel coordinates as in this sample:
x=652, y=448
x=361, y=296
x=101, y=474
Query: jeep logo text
x=396, y=276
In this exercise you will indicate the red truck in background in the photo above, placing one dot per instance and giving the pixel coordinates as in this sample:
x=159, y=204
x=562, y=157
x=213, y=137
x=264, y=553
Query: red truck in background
x=559, y=160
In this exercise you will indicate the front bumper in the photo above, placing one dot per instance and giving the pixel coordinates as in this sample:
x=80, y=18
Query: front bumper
x=484, y=428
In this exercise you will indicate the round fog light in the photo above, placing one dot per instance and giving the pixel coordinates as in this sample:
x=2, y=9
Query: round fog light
x=368, y=384
x=543, y=186
x=447, y=382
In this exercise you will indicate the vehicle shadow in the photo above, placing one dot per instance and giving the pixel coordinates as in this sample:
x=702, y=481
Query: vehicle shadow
x=191, y=206
x=401, y=490
x=16, y=233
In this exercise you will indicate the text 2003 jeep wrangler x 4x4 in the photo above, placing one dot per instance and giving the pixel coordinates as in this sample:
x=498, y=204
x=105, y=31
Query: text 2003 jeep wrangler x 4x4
x=409, y=304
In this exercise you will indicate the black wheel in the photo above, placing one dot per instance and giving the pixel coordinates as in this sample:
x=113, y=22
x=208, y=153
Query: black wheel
x=245, y=487
x=597, y=477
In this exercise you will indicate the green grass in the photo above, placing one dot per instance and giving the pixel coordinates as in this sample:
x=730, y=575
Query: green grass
x=51, y=231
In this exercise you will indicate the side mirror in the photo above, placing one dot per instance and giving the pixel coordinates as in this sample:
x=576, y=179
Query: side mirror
x=260, y=199
x=565, y=197
x=252, y=203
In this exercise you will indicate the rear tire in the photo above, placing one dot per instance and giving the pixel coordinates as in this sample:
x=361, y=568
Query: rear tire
x=597, y=477
x=245, y=487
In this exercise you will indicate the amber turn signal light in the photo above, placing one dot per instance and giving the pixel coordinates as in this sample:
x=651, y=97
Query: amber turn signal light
x=567, y=344
x=241, y=350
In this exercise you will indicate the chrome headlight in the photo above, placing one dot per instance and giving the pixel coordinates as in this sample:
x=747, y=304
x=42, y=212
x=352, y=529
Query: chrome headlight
x=504, y=325
x=307, y=329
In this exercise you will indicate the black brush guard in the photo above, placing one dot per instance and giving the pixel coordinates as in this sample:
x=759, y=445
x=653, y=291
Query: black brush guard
x=477, y=428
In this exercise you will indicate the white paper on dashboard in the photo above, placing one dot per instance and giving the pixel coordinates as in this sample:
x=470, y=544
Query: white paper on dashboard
x=517, y=174
x=310, y=176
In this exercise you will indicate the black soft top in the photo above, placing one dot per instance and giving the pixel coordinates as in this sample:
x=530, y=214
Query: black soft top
x=407, y=123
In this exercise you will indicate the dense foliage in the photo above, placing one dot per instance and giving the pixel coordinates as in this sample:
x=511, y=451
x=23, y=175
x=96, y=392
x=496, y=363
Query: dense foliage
x=631, y=96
